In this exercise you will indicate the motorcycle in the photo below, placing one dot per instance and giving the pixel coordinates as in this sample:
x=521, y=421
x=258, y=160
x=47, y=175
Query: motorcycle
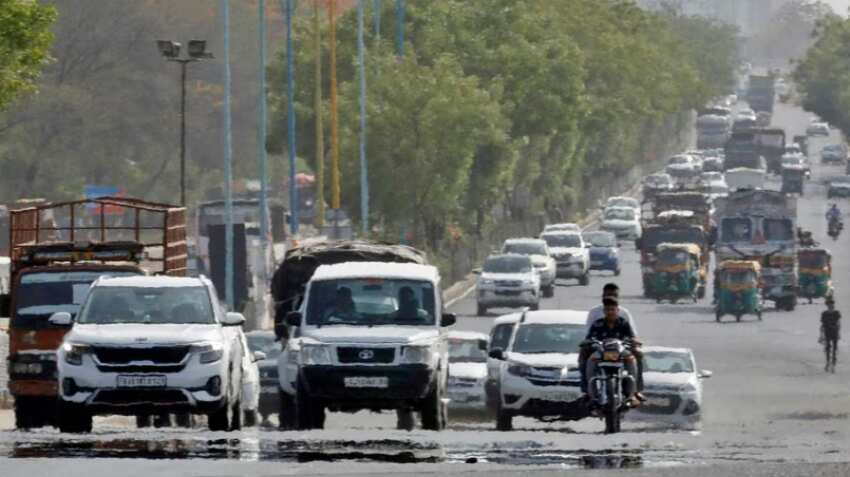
x=606, y=385
x=834, y=228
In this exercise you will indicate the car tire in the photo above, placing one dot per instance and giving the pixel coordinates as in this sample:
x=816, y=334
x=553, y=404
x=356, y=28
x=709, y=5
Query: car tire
x=249, y=418
x=310, y=414
x=434, y=411
x=144, y=421
x=219, y=420
x=535, y=306
x=25, y=415
x=184, y=420
x=236, y=416
x=504, y=420
x=584, y=280
x=617, y=272
x=287, y=415
x=74, y=419
x=482, y=310
x=549, y=291
x=405, y=419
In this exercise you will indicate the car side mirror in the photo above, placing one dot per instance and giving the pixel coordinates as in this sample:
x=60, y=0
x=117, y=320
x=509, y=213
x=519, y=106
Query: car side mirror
x=705, y=374
x=231, y=318
x=293, y=318
x=497, y=354
x=482, y=345
x=259, y=356
x=5, y=304
x=448, y=319
x=61, y=318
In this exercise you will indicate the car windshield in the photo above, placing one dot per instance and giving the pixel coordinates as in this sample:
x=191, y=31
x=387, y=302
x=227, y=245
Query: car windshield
x=505, y=264
x=601, y=239
x=535, y=338
x=265, y=343
x=562, y=240
x=712, y=176
x=679, y=160
x=561, y=227
x=622, y=202
x=148, y=305
x=466, y=351
x=620, y=214
x=525, y=248
x=667, y=362
x=736, y=230
x=372, y=301
x=778, y=229
x=41, y=294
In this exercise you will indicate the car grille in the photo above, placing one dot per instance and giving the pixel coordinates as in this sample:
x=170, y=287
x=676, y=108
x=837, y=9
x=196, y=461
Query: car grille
x=140, y=396
x=154, y=354
x=366, y=355
x=508, y=283
x=559, y=382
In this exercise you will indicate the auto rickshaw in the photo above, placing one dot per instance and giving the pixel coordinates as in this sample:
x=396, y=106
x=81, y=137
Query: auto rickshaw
x=737, y=289
x=793, y=178
x=677, y=273
x=815, y=273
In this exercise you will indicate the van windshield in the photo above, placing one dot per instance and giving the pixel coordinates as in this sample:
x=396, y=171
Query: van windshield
x=371, y=301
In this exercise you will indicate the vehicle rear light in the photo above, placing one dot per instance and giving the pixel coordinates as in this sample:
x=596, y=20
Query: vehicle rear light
x=214, y=386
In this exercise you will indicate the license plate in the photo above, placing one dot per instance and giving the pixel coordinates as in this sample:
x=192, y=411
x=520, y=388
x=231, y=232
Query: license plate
x=559, y=397
x=134, y=381
x=364, y=382
x=597, y=263
x=660, y=402
x=611, y=356
x=268, y=389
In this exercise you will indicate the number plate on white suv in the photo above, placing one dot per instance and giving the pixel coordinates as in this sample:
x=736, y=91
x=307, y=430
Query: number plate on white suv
x=138, y=381
x=366, y=382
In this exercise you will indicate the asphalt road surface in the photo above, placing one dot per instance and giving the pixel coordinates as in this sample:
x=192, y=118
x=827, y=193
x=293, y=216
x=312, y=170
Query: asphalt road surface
x=769, y=409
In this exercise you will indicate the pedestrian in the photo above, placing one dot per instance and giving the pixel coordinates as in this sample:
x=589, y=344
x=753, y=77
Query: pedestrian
x=830, y=333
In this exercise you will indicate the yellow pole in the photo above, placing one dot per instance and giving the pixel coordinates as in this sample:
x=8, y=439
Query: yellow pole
x=335, y=192
x=317, y=105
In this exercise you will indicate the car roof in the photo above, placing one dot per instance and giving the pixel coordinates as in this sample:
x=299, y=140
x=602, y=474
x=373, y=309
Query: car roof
x=562, y=232
x=525, y=240
x=151, y=281
x=407, y=271
x=467, y=335
x=666, y=349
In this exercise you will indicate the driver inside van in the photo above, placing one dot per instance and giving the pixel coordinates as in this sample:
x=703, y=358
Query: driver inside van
x=343, y=307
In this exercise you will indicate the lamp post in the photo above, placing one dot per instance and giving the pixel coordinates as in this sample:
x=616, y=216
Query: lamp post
x=170, y=50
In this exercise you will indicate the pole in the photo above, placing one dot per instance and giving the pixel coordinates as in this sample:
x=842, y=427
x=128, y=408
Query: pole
x=228, y=164
x=317, y=107
x=399, y=29
x=335, y=187
x=290, y=121
x=183, y=65
x=261, y=141
x=364, y=173
x=376, y=18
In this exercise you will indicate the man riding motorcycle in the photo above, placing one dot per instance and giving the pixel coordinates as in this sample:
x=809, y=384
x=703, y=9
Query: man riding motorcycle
x=833, y=213
x=612, y=326
x=834, y=221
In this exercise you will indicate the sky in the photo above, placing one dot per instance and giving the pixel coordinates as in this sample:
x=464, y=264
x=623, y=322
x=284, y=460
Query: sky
x=840, y=6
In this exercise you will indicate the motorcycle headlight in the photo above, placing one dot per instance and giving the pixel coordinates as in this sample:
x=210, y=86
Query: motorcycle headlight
x=416, y=354
x=74, y=353
x=209, y=352
x=520, y=370
x=316, y=355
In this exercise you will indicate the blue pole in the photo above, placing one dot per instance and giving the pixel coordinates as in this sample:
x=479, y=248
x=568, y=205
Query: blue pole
x=290, y=119
x=228, y=163
x=376, y=17
x=399, y=29
x=364, y=173
x=261, y=140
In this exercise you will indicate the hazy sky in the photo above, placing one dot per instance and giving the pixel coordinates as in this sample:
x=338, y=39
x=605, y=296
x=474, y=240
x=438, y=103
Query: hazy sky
x=840, y=6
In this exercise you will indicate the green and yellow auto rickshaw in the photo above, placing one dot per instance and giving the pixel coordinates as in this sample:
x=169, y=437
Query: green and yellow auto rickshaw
x=677, y=272
x=738, y=289
x=815, y=273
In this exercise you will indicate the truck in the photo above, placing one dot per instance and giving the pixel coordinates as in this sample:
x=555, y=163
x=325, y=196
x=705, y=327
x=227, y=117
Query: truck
x=712, y=131
x=771, y=146
x=759, y=225
x=761, y=92
x=53, y=263
x=756, y=148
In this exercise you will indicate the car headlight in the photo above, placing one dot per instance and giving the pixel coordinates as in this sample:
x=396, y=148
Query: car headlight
x=315, y=355
x=688, y=388
x=208, y=352
x=528, y=282
x=416, y=354
x=486, y=281
x=74, y=353
x=520, y=370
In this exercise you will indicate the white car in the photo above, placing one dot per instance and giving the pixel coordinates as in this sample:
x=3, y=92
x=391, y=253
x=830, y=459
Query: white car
x=683, y=166
x=817, y=129
x=714, y=184
x=564, y=227
x=539, y=368
x=623, y=201
x=371, y=336
x=250, y=382
x=467, y=372
x=658, y=182
x=500, y=337
x=541, y=258
x=508, y=281
x=150, y=345
x=623, y=222
x=571, y=255
x=672, y=385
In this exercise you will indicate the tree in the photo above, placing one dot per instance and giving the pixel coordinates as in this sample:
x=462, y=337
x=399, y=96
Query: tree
x=24, y=42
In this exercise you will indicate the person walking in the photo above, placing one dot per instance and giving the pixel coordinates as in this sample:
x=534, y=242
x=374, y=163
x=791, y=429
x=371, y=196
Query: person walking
x=830, y=333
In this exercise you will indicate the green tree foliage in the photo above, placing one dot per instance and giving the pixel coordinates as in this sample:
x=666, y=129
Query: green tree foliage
x=507, y=108
x=823, y=75
x=24, y=45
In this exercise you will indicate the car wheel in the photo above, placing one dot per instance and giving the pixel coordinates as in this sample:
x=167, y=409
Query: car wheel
x=432, y=409
x=405, y=419
x=74, y=419
x=535, y=306
x=310, y=414
x=287, y=415
x=617, y=272
x=549, y=291
x=144, y=421
x=184, y=419
x=504, y=420
x=249, y=418
x=584, y=280
x=219, y=420
x=236, y=416
x=482, y=310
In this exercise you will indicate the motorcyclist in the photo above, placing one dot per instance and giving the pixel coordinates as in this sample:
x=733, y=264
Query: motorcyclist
x=833, y=214
x=613, y=326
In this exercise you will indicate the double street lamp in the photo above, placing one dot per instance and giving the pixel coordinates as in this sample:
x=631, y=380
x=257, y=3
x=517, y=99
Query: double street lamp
x=197, y=51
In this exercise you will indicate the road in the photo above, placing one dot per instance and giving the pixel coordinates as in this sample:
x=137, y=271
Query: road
x=769, y=408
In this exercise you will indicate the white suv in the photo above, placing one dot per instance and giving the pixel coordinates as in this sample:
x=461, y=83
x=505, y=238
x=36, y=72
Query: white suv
x=369, y=335
x=508, y=281
x=539, y=369
x=150, y=345
x=541, y=258
x=571, y=255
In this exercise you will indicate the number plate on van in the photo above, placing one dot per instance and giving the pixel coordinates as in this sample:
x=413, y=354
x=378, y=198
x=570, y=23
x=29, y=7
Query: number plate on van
x=367, y=382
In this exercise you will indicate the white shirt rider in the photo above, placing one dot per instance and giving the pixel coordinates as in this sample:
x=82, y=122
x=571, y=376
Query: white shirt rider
x=598, y=312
